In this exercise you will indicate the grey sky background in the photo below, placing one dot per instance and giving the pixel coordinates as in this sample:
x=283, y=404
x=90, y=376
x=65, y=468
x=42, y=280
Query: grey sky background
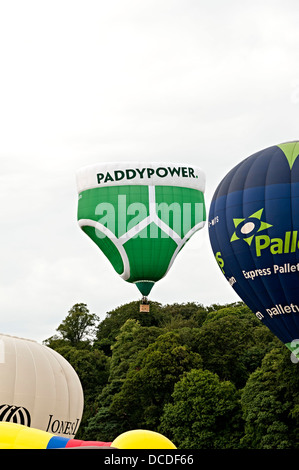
x=205, y=83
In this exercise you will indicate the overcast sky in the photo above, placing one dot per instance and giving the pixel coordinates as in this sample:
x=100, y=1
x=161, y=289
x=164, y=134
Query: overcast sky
x=195, y=81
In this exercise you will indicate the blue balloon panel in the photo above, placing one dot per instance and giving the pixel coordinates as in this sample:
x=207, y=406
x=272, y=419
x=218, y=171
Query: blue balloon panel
x=254, y=234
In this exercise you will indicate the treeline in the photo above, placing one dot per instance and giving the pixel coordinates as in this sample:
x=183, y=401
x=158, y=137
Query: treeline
x=206, y=377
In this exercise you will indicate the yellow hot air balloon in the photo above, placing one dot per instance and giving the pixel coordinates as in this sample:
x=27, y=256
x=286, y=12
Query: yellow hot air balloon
x=18, y=436
x=142, y=439
x=38, y=387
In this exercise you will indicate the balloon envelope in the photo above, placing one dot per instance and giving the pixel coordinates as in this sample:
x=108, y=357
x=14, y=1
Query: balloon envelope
x=141, y=215
x=253, y=229
x=142, y=439
x=38, y=387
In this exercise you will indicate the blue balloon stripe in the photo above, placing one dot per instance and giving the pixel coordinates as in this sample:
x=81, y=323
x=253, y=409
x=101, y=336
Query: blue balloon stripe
x=57, y=442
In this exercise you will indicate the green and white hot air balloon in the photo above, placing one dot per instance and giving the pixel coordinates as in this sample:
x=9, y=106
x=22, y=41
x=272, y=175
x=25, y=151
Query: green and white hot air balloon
x=141, y=215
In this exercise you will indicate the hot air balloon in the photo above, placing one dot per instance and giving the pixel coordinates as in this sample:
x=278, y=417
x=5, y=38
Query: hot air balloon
x=142, y=439
x=141, y=215
x=38, y=387
x=18, y=436
x=253, y=229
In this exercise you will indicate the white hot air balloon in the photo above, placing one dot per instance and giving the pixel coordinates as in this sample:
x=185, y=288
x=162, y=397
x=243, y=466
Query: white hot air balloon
x=38, y=387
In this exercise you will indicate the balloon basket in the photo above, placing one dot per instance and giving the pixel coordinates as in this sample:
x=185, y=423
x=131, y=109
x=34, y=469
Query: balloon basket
x=144, y=306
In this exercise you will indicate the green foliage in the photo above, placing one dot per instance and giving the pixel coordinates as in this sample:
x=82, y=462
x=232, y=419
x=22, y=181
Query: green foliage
x=205, y=413
x=207, y=377
x=78, y=325
x=152, y=377
x=270, y=403
x=131, y=339
x=92, y=367
x=110, y=326
x=228, y=342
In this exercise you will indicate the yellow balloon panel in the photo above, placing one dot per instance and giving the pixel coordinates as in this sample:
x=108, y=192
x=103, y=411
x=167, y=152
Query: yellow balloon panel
x=142, y=439
x=13, y=436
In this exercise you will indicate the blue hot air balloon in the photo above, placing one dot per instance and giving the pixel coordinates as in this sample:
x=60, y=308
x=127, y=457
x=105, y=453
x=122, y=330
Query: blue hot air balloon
x=254, y=234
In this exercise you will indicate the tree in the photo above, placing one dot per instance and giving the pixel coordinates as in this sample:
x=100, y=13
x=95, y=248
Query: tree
x=92, y=367
x=205, y=413
x=78, y=324
x=132, y=365
x=149, y=382
x=270, y=401
x=132, y=339
x=109, y=328
x=103, y=426
x=183, y=315
x=227, y=341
